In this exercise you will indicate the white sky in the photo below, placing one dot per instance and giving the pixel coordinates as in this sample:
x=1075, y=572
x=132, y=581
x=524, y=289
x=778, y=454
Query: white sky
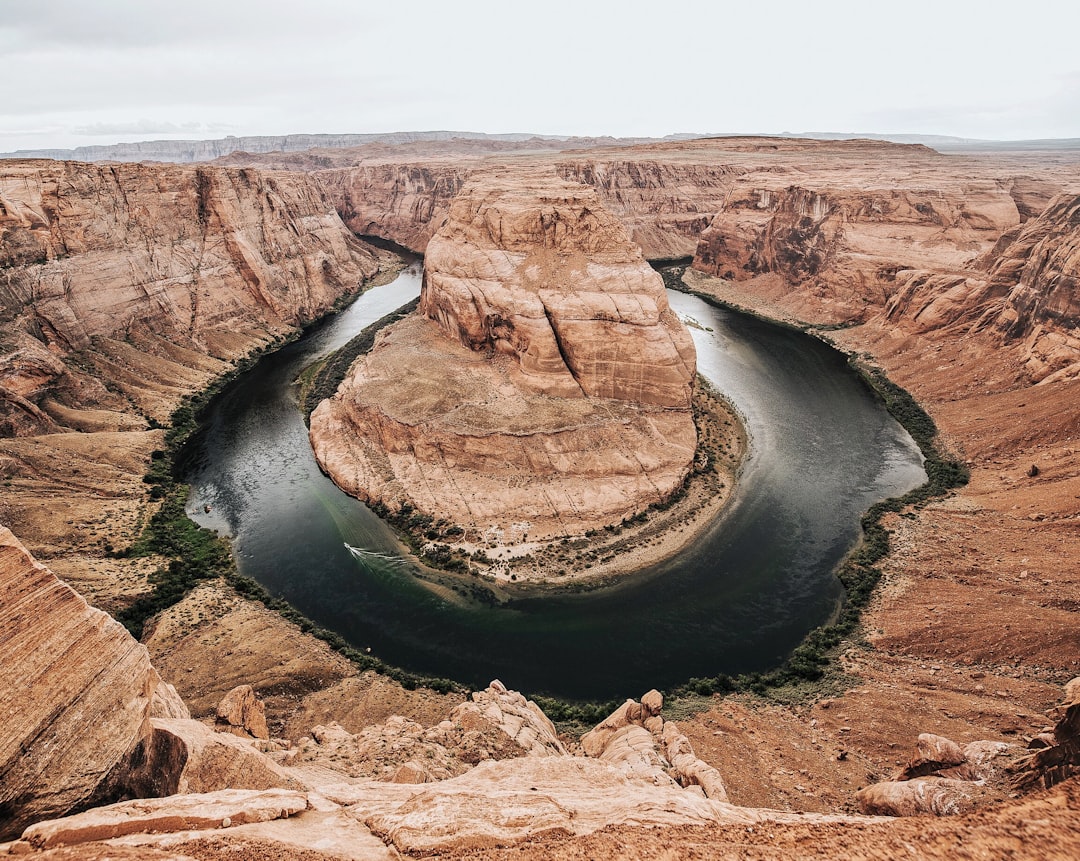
x=100, y=71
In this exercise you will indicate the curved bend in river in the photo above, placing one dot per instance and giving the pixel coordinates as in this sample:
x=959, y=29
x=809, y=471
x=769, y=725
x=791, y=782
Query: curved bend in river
x=543, y=390
x=737, y=600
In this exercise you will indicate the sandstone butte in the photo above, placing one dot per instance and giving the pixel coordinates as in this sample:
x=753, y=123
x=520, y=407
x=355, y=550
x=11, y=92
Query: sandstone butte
x=543, y=387
x=957, y=274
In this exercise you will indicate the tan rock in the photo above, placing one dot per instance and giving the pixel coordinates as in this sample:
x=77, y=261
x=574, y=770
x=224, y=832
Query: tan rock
x=535, y=268
x=479, y=730
x=501, y=803
x=242, y=710
x=192, y=812
x=520, y=719
x=596, y=739
x=186, y=756
x=932, y=753
x=128, y=262
x=410, y=772
x=549, y=385
x=922, y=796
x=75, y=693
x=688, y=769
x=652, y=703
x=634, y=750
x=166, y=703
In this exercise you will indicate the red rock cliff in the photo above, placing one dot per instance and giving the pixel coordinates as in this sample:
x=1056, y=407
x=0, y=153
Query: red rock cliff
x=120, y=264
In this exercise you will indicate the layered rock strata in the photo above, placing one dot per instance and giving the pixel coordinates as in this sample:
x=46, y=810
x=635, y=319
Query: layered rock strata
x=76, y=694
x=545, y=381
x=146, y=275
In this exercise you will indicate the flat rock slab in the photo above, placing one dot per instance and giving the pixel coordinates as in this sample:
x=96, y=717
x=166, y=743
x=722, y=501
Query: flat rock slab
x=175, y=813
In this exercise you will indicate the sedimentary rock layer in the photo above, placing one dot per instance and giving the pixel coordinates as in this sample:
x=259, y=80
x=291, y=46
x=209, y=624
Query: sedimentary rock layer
x=75, y=698
x=546, y=382
x=147, y=272
x=534, y=268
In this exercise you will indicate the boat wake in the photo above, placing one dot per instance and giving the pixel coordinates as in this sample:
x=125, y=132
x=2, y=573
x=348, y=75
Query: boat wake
x=369, y=558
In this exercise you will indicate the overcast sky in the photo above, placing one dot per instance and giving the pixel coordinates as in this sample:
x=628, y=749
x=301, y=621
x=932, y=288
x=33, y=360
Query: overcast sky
x=80, y=72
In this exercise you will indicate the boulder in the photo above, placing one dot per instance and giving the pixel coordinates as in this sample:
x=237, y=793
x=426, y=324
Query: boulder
x=923, y=796
x=932, y=753
x=186, y=756
x=241, y=710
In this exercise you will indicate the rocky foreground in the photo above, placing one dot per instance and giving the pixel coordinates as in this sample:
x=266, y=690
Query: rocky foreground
x=90, y=726
x=543, y=388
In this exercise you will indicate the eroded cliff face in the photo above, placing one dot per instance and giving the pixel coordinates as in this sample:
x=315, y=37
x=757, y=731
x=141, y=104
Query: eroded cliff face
x=405, y=203
x=536, y=269
x=545, y=382
x=839, y=250
x=75, y=698
x=123, y=286
x=1037, y=276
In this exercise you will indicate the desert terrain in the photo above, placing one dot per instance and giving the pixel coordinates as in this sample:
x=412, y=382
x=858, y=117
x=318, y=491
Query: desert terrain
x=126, y=288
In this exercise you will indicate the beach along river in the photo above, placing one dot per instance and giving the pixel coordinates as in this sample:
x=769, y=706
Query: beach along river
x=822, y=450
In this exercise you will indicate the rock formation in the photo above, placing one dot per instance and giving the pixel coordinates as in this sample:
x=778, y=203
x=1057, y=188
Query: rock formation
x=495, y=724
x=149, y=274
x=75, y=698
x=242, y=713
x=545, y=382
x=941, y=778
x=636, y=738
x=1037, y=276
x=1056, y=754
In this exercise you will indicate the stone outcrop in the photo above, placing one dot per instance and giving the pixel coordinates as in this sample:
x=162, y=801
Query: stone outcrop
x=518, y=718
x=941, y=778
x=191, y=812
x=495, y=724
x=243, y=713
x=1056, y=754
x=185, y=756
x=76, y=693
x=545, y=382
x=150, y=273
x=636, y=738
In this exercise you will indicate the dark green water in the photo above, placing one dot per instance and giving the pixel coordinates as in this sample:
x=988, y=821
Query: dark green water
x=822, y=451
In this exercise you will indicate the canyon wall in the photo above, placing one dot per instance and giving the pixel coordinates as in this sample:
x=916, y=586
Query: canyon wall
x=1037, y=277
x=120, y=286
x=405, y=203
x=545, y=382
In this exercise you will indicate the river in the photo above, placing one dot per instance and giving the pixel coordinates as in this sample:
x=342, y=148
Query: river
x=822, y=450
